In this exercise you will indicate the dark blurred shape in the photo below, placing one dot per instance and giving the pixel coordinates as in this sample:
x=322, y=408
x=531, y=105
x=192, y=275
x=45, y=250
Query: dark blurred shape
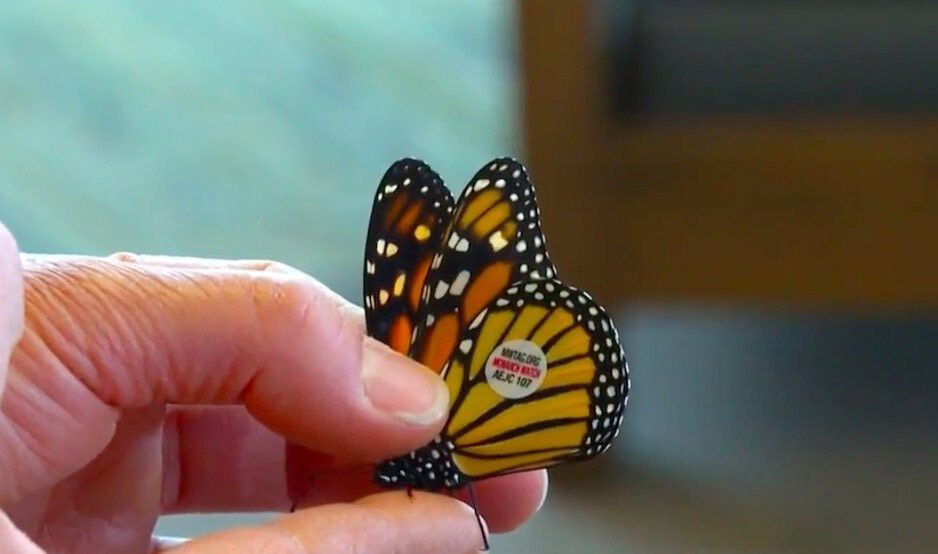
x=701, y=57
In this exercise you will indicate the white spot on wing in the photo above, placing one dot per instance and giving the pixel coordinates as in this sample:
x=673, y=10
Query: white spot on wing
x=475, y=322
x=497, y=241
x=459, y=283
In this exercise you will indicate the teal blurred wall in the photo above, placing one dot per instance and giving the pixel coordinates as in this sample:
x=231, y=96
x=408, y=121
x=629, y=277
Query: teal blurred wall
x=240, y=128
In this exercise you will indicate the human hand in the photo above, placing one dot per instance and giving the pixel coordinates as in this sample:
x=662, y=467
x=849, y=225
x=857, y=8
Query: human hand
x=140, y=386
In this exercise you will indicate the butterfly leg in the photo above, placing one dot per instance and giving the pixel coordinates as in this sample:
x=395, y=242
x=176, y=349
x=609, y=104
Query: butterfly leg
x=475, y=508
x=296, y=503
x=410, y=492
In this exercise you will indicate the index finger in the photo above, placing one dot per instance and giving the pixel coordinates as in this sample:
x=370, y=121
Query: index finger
x=292, y=351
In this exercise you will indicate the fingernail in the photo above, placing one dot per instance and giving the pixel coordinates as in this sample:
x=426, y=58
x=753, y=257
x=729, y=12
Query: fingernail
x=543, y=493
x=400, y=386
x=169, y=543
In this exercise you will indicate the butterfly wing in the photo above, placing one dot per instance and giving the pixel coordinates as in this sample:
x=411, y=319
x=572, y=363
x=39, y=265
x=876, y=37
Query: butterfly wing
x=410, y=212
x=494, y=238
x=500, y=423
x=538, y=379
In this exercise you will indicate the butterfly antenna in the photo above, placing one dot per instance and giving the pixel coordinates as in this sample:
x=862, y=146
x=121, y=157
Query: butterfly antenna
x=475, y=508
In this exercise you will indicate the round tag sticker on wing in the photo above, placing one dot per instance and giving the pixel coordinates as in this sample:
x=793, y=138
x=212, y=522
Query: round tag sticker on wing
x=516, y=368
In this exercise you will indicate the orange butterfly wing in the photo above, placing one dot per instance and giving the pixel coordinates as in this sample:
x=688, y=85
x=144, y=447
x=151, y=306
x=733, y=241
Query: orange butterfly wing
x=410, y=212
x=493, y=238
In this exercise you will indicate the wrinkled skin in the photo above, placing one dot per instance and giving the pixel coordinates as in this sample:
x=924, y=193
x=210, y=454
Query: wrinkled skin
x=135, y=386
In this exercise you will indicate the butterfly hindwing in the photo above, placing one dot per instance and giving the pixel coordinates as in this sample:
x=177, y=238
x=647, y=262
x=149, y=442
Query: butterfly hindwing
x=493, y=238
x=410, y=212
x=538, y=379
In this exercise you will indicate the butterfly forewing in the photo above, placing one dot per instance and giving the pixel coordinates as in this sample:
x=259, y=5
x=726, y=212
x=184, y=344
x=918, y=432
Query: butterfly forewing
x=538, y=379
x=493, y=238
x=410, y=212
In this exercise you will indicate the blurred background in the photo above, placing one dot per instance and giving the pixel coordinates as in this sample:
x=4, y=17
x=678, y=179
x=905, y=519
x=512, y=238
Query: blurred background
x=753, y=186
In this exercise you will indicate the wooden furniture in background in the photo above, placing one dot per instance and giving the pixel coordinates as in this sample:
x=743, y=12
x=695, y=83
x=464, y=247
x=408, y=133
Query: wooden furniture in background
x=813, y=209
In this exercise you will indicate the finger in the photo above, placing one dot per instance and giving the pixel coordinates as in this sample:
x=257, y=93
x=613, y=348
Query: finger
x=292, y=350
x=506, y=502
x=105, y=334
x=509, y=501
x=14, y=541
x=383, y=523
x=111, y=504
x=219, y=459
x=11, y=299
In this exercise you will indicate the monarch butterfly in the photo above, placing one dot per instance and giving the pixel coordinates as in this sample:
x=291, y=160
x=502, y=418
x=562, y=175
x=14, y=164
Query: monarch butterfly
x=534, y=367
